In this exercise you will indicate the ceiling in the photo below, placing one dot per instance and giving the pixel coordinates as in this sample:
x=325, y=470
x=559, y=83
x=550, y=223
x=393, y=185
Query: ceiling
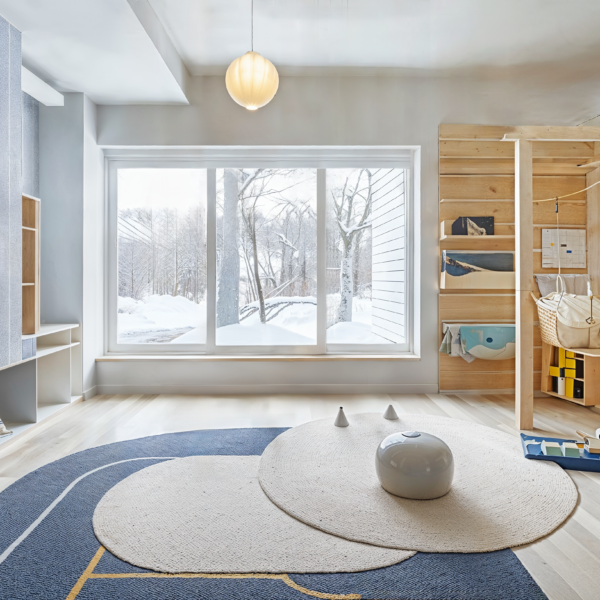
x=94, y=46
x=408, y=34
x=103, y=47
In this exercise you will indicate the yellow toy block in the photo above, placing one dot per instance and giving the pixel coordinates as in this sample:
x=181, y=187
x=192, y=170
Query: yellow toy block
x=561, y=358
x=570, y=363
x=570, y=354
x=569, y=387
x=554, y=372
x=570, y=373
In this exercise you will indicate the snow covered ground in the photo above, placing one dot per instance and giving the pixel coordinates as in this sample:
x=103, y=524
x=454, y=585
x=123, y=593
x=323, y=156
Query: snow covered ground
x=295, y=325
x=160, y=319
x=177, y=320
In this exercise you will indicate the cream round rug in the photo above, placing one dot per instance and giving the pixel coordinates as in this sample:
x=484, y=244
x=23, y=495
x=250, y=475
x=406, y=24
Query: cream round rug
x=208, y=514
x=325, y=476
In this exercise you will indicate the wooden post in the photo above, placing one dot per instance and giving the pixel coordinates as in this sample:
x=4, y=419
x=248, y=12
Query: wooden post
x=524, y=313
x=593, y=226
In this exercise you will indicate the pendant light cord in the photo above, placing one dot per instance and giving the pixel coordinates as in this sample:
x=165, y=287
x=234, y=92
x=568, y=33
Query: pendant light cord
x=252, y=25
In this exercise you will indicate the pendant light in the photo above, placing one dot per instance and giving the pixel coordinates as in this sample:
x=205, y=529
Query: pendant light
x=251, y=79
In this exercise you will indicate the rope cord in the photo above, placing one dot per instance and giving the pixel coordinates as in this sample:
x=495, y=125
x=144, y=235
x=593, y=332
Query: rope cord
x=557, y=198
x=557, y=242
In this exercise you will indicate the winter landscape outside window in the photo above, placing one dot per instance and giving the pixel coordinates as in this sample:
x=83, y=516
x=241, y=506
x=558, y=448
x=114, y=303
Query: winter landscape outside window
x=365, y=256
x=266, y=257
x=272, y=258
x=162, y=256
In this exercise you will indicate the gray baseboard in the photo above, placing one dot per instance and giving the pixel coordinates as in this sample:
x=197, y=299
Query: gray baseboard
x=90, y=393
x=330, y=388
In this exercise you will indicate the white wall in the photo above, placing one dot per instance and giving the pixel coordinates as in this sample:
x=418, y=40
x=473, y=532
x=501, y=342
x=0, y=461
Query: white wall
x=71, y=188
x=330, y=111
x=61, y=191
x=93, y=249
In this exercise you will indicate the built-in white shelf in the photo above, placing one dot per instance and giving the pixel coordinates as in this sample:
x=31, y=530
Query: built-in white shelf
x=45, y=350
x=37, y=388
x=50, y=329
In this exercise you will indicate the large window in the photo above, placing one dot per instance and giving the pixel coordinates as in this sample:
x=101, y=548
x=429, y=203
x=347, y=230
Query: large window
x=266, y=257
x=282, y=256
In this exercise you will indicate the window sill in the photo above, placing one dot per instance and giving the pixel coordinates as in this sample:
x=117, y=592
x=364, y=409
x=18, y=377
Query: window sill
x=257, y=357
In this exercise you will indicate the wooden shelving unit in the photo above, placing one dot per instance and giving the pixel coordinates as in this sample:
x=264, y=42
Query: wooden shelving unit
x=38, y=387
x=31, y=264
x=590, y=379
x=500, y=172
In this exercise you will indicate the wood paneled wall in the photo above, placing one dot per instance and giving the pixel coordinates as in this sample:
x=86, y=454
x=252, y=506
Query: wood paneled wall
x=477, y=178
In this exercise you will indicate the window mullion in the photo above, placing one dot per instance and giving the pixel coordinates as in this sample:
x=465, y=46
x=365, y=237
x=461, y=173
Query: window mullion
x=321, y=263
x=211, y=259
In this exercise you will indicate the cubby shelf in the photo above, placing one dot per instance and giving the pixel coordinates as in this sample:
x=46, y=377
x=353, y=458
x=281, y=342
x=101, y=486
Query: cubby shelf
x=31, y=263
x=37, y=388
x=46, y=350
x=591, y=374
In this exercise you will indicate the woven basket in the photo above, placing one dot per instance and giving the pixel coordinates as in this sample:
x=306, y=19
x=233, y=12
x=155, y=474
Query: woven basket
x=547, y=319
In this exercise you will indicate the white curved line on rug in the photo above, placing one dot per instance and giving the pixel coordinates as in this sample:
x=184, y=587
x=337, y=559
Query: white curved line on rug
x=50, y=508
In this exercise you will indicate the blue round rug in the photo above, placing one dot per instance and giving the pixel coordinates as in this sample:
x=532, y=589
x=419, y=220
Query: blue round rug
x=48, y=550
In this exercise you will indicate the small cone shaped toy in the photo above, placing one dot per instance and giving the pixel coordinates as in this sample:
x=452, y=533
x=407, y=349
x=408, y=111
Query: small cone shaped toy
x=390, y=414
x=340, y=420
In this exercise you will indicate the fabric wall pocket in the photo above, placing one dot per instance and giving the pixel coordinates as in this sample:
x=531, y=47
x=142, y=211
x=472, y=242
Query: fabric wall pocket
x=477, y=270
x=489, y=342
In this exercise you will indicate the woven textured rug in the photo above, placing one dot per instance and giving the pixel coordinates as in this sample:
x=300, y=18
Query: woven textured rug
x=322, y=474
x=48, y=550
x=208, y=514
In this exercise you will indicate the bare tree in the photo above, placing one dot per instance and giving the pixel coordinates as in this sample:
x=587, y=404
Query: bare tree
x=228, y=291
x=352, y=214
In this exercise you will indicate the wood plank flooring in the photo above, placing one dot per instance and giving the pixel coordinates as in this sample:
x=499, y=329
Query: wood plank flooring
x=565, y=564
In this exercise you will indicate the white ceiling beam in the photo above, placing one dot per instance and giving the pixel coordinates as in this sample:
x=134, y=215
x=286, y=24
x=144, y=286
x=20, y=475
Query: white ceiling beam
x=162, y=42
x=31, y=84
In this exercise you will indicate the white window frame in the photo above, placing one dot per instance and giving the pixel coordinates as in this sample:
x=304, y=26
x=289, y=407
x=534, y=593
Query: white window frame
x=319, y=158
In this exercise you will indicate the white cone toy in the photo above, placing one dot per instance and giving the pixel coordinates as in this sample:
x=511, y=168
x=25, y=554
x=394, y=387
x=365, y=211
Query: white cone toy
x=390, y=414
x=340, y=420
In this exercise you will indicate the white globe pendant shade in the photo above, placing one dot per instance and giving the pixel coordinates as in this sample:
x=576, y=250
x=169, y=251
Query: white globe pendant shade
x=252, y=80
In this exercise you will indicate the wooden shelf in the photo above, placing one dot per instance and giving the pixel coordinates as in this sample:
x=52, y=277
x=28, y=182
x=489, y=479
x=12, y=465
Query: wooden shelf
x=590, y=380
x=575, y=400
x=494, y=201
x=477, y=242
x=31, y=263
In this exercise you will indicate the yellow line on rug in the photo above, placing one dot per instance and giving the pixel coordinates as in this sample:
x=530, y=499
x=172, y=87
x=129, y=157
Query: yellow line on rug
x=89, y=574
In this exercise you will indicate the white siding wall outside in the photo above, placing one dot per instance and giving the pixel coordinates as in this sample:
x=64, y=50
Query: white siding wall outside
x=388, y=256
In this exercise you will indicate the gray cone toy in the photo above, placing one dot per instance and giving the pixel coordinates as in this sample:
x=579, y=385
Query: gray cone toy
x=340, y=420
x=390, y=414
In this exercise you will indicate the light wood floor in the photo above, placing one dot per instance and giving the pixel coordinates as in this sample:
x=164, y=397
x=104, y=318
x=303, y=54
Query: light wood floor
x=565, y=564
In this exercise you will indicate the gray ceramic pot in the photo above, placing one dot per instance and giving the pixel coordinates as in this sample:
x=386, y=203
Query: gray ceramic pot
x=414, y=465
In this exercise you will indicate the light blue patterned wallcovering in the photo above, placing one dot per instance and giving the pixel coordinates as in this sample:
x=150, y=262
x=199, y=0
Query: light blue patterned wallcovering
x=31, y=146
x=10, y=194
x=16, y=202
x=4, y=193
